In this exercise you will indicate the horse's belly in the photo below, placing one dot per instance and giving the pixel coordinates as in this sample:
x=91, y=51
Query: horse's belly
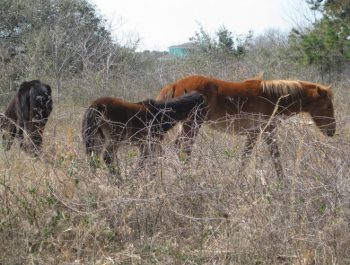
x=239, y=124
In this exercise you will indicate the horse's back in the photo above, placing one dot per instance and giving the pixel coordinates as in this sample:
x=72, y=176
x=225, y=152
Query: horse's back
x=203, y=84
x=116, y=109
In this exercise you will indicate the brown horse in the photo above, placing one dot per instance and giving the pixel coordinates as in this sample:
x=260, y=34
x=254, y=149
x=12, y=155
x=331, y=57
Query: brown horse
x=252, y=108
x=27, y=113
x=110, y=122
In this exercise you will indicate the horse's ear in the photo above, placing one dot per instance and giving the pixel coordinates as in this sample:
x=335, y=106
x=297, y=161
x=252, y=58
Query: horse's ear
x=23, y=85
x=322, y=92
x=149, y=102
x=173, y=94
x=259, y=76
x=48, y=89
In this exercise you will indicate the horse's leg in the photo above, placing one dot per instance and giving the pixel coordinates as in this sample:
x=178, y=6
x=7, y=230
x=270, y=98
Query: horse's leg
x=149, y=152
x=8, y=137
x=247, y=151
x=109, y=156
x=275, y=153
x=94, y=151
x=144, y=154
x=179, y=138
x=20, y=135
x=36, y=139
x=20, y=132
x=156, y=150
x=186, y=138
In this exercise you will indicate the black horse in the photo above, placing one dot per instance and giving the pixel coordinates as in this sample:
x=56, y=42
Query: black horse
x=27, y=113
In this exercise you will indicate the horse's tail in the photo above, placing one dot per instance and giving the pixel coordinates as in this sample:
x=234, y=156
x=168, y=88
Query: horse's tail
x=91, y=132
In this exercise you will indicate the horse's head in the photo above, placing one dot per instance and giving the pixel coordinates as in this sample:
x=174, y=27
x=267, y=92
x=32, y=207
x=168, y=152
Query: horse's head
x=322, y=110
x=41, y=105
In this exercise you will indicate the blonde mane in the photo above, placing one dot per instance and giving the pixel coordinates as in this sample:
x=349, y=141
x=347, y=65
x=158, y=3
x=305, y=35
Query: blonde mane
x=279, y=88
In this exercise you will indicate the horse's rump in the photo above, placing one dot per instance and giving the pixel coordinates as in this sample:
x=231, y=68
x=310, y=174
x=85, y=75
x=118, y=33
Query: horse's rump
x=90, y=130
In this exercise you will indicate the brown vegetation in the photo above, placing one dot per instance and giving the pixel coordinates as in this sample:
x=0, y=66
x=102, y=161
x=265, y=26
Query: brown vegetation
x=56, y=210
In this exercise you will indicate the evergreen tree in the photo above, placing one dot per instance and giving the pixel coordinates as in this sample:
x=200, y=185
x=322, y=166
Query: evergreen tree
x=225, y=39
x=326, y=44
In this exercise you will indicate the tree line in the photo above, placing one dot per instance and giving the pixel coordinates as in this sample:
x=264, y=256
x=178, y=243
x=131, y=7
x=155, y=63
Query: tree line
x=65, y=38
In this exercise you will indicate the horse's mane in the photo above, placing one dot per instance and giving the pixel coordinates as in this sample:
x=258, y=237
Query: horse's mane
x=296, y=89
x=280, y=88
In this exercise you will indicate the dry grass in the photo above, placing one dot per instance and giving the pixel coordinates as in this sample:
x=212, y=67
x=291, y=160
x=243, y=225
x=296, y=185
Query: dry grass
x=55, y=210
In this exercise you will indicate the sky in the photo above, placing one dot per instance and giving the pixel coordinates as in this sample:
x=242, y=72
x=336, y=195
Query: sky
x=162, y=23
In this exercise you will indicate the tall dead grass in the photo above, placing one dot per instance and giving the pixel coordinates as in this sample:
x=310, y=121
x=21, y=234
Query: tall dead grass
x=56, y=210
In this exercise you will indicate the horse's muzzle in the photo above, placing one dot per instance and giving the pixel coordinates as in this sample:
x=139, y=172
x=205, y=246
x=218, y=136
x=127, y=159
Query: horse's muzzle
x=329, y=131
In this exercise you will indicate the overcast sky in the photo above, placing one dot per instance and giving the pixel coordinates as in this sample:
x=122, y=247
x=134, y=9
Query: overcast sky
x=162, y=23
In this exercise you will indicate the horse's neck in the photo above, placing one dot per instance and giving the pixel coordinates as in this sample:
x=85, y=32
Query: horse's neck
x=162, y=116
x=174, y=113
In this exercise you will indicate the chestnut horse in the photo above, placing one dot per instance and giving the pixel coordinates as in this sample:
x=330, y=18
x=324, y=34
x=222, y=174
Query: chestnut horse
x=110, y=122
x=27, y=112
x=252, y=108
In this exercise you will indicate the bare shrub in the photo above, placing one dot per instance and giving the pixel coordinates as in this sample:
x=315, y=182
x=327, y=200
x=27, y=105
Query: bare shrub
x=57, y=210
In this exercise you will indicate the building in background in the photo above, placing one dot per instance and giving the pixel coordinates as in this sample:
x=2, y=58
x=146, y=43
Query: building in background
x=181, y=50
